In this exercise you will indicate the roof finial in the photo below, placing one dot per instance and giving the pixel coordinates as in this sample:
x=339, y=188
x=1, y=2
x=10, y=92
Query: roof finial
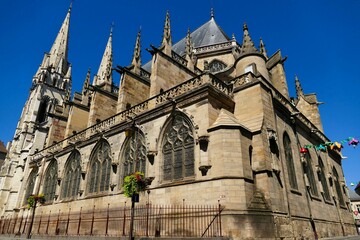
x=262, y=49
x=166, y=41
x=136, y=60
x=189, y=51
x=70, y=7
x=86, y=82
x=248, y=44
x=212, y=15
x=299, y=91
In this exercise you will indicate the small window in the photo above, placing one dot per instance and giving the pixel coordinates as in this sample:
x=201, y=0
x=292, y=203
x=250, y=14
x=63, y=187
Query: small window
x=251, y=68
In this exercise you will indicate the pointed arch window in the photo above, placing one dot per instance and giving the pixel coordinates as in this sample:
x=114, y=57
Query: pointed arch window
x=290, y=162
x=338, y=187
x=322, y=177
x=71, y=181
x=178, y=149
x=134, y=154
x=100, y=166
x=30, y=184
x=42, y=111
x=50, y=181
x=310, y=174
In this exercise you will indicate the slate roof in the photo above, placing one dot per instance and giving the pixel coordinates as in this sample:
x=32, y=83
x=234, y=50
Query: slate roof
x=353, y=196
x=209, y=33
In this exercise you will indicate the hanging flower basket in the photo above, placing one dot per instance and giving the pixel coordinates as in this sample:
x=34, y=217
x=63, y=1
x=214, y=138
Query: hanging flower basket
x=32, y=199
x=134, y=183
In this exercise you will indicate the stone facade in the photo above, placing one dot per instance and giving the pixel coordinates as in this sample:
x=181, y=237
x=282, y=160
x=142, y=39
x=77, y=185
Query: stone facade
x=212, y=125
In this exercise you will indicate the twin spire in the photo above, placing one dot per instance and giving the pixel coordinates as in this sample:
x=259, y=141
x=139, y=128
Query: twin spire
x=104, y=74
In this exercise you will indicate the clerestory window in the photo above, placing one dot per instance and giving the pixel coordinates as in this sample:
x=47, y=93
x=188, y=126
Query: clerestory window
x=310, y=174
x=178, y=149
x=338, y=188
x=323, y=181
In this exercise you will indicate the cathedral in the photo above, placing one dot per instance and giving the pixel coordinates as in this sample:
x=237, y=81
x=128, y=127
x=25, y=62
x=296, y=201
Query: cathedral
x=209, y=121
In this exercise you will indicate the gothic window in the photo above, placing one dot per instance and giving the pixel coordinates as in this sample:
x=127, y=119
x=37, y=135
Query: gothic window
x=216, y=66
x=100, y=166
x=50, y=181
x=310, y=174
x=290, y=162
x=71, y=181
x=42, y=111
x=30, y=184
x=178, y=149
x=134, y=154
x=338, y=188
x=322, y=178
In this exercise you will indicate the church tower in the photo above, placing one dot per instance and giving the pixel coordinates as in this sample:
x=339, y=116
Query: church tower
x=51, y=85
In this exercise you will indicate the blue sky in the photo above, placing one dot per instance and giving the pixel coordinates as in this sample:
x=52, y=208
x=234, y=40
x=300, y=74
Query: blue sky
x=320, y=39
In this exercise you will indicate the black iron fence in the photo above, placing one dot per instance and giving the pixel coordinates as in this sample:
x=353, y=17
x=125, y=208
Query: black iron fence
x=149, y=220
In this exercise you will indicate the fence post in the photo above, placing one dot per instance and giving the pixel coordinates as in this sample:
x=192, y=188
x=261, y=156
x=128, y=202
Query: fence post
x=92, y=222
x=27, y=217
x=47, y=226
x=68, y=221
x=107, y=220
x=78, y=230
x=147, y=218
x=57, y=230
x=38, y=231
x=220, y=218
x=124, y=219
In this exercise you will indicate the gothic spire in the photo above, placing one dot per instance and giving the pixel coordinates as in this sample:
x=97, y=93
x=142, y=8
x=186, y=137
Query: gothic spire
x=104, y=74
x=212, y=15
x=262, y=49
x=136, y=60
x=86, y=82
x=58, y=54
x=166, y=43
x=299, y=91
x=248, y=44
x=189, y=51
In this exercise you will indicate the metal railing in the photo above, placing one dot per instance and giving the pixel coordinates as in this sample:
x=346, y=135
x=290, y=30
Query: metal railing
x=149, y=220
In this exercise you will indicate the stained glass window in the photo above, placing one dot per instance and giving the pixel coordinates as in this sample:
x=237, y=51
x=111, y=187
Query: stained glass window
x=134, y=154
x=100, y=167
x=50, y=181
x=178, y=149
x=71, y=181
x=290, y=162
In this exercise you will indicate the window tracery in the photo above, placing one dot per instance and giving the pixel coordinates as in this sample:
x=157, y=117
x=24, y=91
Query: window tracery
x=71, y=181
x=31, y=184
x=290, y=162
x=178, y=149
x=50, y=182
x=100, y=166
